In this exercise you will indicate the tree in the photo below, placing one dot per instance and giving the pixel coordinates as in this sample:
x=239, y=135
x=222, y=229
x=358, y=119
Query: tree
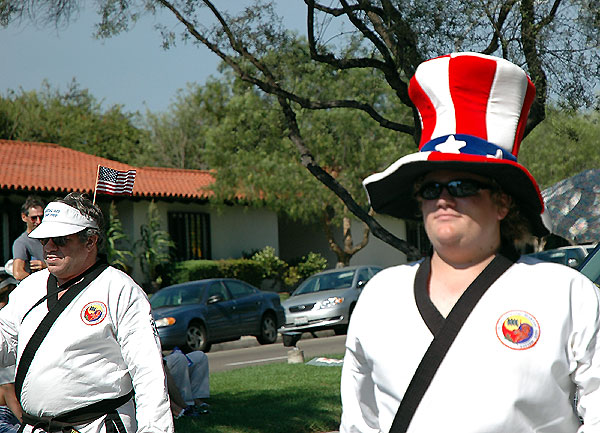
x=564, y=145
x=241, y=134
x=556, y=41
x=73, y=119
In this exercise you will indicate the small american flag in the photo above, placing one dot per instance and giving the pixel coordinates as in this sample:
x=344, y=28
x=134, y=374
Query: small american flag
x=115, y=182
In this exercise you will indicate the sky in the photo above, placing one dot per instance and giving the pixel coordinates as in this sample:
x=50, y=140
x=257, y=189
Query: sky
x=131, y=69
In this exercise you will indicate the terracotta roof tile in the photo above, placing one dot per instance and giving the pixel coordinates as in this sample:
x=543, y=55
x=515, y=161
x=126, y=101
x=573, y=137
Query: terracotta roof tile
x=50, y=167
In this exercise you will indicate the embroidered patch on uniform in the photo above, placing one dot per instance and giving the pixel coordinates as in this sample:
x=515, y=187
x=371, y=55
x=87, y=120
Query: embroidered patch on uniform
x=93, y=313
x=518, y=330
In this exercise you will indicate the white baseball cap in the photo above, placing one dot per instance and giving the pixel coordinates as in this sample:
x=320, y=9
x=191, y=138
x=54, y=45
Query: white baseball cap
x=61, y=220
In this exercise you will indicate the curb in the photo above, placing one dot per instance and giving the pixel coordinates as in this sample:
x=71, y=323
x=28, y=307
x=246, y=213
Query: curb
x=249, y=341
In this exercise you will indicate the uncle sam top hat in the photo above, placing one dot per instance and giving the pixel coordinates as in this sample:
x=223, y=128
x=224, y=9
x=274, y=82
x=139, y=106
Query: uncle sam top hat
x=473, y=110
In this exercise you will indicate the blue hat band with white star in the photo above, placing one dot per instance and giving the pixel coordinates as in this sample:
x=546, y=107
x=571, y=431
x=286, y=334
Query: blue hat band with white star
x=467, y=144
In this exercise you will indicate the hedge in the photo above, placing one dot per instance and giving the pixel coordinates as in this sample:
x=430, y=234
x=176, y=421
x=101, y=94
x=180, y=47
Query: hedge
x=243, y=269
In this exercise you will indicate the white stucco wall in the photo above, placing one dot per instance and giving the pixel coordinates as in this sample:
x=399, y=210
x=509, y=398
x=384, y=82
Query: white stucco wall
x=297, y=240
x=377, y=252
x=234, y=229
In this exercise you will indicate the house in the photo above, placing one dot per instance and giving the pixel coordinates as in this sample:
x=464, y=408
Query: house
x=200, y=227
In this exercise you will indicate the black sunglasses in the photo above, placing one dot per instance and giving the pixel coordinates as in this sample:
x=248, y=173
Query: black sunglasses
x=59, y=241
x=456, y=188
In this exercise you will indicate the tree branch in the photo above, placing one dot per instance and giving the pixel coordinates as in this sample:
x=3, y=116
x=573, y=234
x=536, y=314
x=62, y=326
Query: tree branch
x=270, y=85
x=309, y=162
x=529, y=32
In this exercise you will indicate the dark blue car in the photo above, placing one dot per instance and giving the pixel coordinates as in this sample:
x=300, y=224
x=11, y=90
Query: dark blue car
x=196, y=314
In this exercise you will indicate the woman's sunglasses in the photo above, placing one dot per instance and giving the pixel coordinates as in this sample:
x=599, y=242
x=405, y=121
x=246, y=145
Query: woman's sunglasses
x=456, y=188
x=59, y=241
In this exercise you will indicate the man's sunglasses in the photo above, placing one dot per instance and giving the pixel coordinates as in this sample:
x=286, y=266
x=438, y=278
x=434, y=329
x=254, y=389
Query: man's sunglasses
x=456, y=188
x=59, y=241
x=36, y=217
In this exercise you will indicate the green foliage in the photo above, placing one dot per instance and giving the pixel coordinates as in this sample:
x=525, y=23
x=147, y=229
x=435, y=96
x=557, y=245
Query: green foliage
x=241, y=134
x=272, y=266
x=116, y=240
x=264, y=264
x=311, y=264
x=73, y=119
x=153, y=248
x=243, y=269
x=562, y=146
x=303, y=268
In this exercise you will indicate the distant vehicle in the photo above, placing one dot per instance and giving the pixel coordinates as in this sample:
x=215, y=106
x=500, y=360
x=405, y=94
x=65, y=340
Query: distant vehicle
x=591, y=265
x=571, y=256
x=196, y=314
x=326, y=300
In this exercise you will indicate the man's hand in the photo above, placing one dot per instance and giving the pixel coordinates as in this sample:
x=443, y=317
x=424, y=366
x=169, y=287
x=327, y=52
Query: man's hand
x=36, y=265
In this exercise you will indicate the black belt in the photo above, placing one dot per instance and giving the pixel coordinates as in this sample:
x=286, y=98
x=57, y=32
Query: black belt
x=66, y=421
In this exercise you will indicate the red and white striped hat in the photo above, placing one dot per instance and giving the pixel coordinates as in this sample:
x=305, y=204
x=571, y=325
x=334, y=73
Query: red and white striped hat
x=473, y=110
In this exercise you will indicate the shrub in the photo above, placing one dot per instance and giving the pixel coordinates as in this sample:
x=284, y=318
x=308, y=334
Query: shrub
x=242, y=269
x=273, y=267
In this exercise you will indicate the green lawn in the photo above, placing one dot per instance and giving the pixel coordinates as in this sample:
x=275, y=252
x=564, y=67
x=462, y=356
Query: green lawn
x=274, y=398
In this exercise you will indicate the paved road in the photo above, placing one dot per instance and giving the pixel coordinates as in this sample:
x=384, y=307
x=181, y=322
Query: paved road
x=246, y=351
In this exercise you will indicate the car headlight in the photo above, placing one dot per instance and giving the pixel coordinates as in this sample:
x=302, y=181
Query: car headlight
x=330, y=302
x=165, y=321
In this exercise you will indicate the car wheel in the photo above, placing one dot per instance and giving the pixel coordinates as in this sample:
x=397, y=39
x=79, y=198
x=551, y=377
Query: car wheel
x=340, y=330
x=196, y=338
x=268, y=330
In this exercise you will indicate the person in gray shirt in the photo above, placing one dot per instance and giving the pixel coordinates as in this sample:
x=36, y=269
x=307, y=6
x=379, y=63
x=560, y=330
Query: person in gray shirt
x=28, y=253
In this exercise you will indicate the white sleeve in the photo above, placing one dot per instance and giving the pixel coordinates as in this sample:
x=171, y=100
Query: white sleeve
x=10, y=321
x=359, y=407
x=584, y=352
x=141, y=351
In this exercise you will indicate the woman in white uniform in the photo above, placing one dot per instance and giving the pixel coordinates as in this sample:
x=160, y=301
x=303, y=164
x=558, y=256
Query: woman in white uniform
x=471, y=338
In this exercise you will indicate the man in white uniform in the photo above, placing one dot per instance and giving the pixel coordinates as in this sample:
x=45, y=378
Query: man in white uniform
x=82, y=335
x=471, y=338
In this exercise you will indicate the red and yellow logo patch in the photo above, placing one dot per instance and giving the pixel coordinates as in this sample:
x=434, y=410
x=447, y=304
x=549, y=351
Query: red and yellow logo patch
x=93, y=313
x=518, y=330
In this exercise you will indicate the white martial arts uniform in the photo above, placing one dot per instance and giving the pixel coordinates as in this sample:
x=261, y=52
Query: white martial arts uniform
x=515, y=365
x=190, y=373
x=103, y=344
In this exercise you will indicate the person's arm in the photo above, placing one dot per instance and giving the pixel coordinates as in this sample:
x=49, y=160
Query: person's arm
x=141, y=351
x=10, y=399
x=19, y=271
x=583, y=349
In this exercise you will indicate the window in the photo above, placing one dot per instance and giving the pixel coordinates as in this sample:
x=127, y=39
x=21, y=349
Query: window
x=239, y=289
x=190, y=231
x=416, y=236
x=217, y=289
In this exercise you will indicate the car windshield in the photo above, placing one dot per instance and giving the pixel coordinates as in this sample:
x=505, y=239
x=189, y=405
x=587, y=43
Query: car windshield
x=173, y=296
x=329, y=281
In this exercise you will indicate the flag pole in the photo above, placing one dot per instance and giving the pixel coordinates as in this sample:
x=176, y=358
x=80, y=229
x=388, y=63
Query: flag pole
x=96, y=183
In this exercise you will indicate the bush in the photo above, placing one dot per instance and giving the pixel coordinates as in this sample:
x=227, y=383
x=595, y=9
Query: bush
x=273, y=267
x=264, y=264
x=311, y=264
x=242, y=269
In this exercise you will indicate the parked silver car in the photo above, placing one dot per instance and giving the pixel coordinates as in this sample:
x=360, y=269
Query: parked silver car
x=326, y=300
